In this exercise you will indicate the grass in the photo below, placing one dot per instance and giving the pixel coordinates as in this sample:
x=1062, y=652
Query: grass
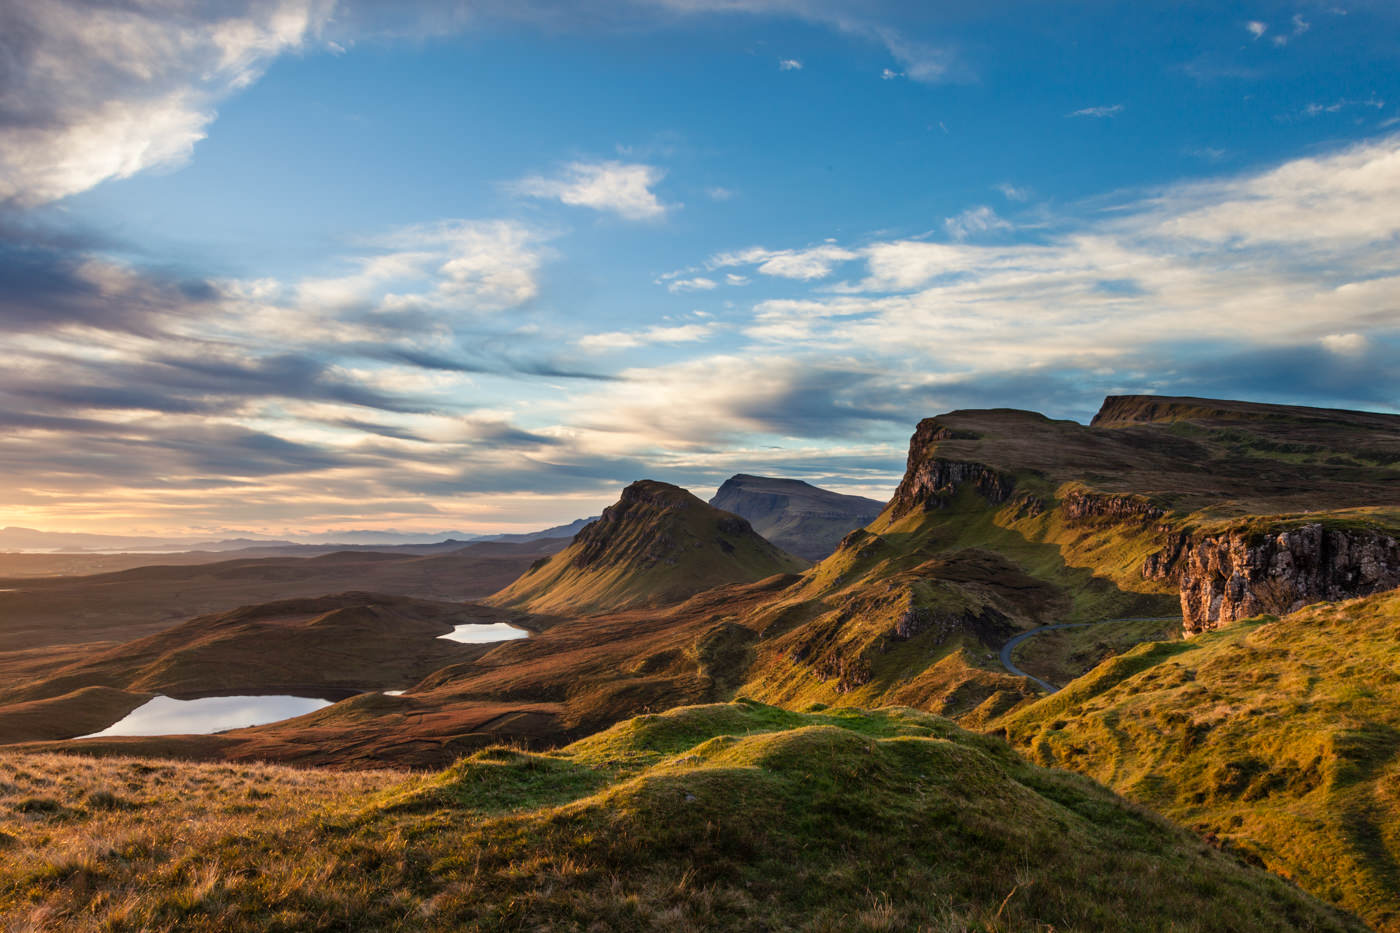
x=1279, y=738
x=729, y=816
x=1061, y=655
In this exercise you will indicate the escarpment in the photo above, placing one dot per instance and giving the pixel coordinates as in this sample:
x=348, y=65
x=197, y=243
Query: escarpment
x=930, y=481
x=1238, y=574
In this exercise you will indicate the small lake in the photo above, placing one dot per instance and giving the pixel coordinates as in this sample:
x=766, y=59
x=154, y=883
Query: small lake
x=477, y=633
x=166, y=716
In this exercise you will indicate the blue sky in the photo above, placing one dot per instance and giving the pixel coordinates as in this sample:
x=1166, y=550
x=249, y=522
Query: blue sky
x=299, y=265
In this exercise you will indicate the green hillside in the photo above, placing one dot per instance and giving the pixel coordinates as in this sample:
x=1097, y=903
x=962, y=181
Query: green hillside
x=1280, y=738
x=657, y=545
x=733, y=816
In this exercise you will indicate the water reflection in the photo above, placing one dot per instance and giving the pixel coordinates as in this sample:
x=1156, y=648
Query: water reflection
x=476, y=633
x=166, y=716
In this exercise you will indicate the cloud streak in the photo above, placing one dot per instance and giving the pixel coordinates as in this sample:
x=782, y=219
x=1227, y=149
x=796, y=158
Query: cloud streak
x=621, y=188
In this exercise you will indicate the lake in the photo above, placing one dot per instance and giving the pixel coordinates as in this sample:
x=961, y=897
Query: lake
x=167, y=716
x=477, y=633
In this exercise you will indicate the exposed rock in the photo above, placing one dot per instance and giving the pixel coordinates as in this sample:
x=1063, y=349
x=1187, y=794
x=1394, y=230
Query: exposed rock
x=1239, y=574
x=930, y=481
x=1087, y=506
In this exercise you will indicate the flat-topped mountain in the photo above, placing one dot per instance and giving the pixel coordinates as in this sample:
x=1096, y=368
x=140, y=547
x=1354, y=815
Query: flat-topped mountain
x=1245, y=507
x=657, y=545
x=798, y=517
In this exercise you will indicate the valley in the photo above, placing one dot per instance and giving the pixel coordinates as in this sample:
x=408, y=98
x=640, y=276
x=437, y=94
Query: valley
x=1210, y=584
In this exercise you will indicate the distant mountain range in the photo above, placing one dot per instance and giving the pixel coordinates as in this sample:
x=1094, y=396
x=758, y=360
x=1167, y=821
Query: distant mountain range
x=14, y=538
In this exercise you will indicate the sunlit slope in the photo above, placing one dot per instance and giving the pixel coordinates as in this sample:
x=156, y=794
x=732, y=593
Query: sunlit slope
x=1279, y=737
x=657, y=545
x=733, y=816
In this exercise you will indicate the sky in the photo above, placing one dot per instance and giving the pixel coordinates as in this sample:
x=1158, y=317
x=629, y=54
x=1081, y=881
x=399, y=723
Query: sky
x=292, y=266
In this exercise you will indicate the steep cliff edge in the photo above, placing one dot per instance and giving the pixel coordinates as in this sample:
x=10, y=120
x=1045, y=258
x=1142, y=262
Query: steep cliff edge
x=1237, y=574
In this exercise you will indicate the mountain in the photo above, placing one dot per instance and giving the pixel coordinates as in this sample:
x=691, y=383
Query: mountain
x=558, y=531
x=658, y=544
x=734, y=816
x=798, y=517
x=1276, y=738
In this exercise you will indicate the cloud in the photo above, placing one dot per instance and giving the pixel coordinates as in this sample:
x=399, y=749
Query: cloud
x=1098, y=112
x=697, y=284
x=620, y=187
x=479, y=267
x=1256, y=29
x=816, y=262
x=789, y=64
x=975, y=221
x=95, y=90
x=889, y=74
x=1013, y=193
x=626, y=340
x=1292, y=263
x=718, y=193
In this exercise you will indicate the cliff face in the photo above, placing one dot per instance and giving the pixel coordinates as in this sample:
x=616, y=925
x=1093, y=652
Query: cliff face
x=931, y=481
x=1237, y=574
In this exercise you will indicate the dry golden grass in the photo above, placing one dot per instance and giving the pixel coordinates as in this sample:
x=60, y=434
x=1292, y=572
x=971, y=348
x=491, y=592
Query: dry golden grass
x=729, y=816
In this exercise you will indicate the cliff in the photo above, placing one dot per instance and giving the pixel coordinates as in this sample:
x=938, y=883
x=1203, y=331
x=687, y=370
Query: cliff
x=1237, y=574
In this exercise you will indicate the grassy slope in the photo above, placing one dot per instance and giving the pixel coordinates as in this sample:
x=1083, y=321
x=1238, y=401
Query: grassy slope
x=657, y=545
x=1279, y=737
x=834, y=637
x=735, y=816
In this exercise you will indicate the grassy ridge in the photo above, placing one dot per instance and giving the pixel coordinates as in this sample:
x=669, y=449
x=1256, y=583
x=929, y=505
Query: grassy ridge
x=736, y=816
x=1278, y=737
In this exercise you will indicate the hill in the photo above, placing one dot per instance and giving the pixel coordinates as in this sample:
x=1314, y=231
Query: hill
x=798, y=517
x=733, y=816
x=657, y=545
x=1279, y=738
x=135, y=602
x=330, y=646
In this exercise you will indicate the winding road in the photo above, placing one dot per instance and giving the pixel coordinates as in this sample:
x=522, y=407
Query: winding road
x=1045, y=685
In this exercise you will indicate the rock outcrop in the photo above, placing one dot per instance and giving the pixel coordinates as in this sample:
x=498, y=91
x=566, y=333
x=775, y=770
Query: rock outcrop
x=1238, y=574
x=931, y=482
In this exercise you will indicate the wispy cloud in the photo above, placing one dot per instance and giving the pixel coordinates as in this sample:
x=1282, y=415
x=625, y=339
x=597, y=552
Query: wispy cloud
x=626, y=340
x=697, y=284
x=975, y=221
x=789, y=64
x=815, y=262
x=622, y=188
x=1256, y=28
x=1014, y=193
x=1097, y=112
x=98, y=91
